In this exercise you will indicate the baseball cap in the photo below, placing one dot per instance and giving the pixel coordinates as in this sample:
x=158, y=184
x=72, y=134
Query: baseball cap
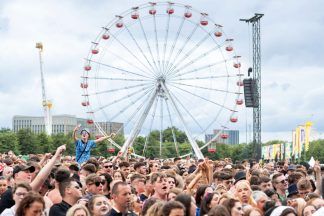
x=86, y=130
x=23, y=167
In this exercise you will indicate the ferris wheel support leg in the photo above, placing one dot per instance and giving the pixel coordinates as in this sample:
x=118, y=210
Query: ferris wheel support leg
x=130, y=140
x=191, y=140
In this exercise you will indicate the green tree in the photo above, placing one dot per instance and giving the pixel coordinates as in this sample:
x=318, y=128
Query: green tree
x=8, y=141
x=28, y=142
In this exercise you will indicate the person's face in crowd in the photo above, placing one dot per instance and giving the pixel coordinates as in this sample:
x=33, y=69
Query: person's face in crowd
x=161, y=186
x=177, y=212
x=270, y=167
x=228, y=183
x=208, y=190
x=96, y=187
x=136, y=203
x=171, y=182
x=139, y=185
x=35, y=209
x=100, y=206
x=128, y=181
x=108, y=167
x=155, y=167
x=117, y=176
x=142, y=170
x=214, y=201
x=84, y=135
x=80, y=212
x=103, y=179
x=19, y=195
x=266, y=186
x=76, y=190
x=123, y=196
x=281, y=183
x=149, y=187
x=3, y=186
x=237, y=210
x=276, y=199
x=84, y=173
x=303, y=193
x=7, y=171
x=24, y=175
x=171, y=196
x=243, y=192
x=309, y=210
x=185, y=175
x=125, y=170
x=255, y=213
x=261, y=202
x=318, y=203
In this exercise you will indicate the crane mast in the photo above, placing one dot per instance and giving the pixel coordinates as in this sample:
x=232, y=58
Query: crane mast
x=47, y=104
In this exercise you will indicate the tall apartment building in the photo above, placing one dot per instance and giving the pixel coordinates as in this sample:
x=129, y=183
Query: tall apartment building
x=230, y=137
x=62, y=124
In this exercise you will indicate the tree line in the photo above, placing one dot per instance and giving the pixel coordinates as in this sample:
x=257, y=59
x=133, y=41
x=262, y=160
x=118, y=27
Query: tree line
x=25, y=142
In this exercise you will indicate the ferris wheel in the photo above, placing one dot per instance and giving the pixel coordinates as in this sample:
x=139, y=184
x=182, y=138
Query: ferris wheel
x=158, y=66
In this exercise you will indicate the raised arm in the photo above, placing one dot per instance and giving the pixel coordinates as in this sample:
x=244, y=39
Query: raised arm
x=46, y=170
x=318, y=176
x=104, y=138
x=74, y=135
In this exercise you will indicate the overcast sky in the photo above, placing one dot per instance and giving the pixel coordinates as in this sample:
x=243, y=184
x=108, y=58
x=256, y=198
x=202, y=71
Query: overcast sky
x=292, y=35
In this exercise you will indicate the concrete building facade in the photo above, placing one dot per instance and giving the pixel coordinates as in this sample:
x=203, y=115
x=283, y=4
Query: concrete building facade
x=233, y=136
x=62, y=124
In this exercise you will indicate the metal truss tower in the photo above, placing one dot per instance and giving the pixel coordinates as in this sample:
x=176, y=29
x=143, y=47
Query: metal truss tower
x=256, y=40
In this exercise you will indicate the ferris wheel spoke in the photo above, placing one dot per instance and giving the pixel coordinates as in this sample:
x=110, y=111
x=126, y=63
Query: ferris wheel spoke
x=183, y=46
x=130, y=63
x=161, y=125
x=166, y=63
x=176, y=109
x=204, y=55
x=151, y=125
x=141, y=50
x=189, y=53
x=206, y=88
x=120, y=99
x=118, y=89
x=138, y=125
x=187, y=111
x=116, y=79
x=204, y=77
x=157, y=44
x=130, y=52
x=147, y=43
x=132, y=103
x=172, y=129
x=119, y=69
x=165, y=43
x=198, y=69
x=205, y=99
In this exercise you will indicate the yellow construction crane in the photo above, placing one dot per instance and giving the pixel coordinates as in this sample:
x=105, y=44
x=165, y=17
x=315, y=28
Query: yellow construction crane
x=47, y=104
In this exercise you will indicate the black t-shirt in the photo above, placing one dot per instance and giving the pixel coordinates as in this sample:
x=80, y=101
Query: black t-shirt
x=113, y=212
x=59, y=209
x=6, y=200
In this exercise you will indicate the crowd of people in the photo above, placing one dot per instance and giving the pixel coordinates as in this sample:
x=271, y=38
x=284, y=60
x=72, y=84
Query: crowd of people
x=81, y=185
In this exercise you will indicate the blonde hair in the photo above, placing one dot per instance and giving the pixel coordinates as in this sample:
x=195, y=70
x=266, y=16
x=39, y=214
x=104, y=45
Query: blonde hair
x=245, y=183
x=156, y=209
x=75, y=208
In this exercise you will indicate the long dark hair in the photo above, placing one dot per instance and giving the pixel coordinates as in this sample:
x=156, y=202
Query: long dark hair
x=200, y=192
x=29, y=199
x=185, y=200
x=204, y=207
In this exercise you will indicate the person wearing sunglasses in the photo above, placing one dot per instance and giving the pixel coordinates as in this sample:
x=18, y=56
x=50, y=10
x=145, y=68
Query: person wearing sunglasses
x=108, y=167
x=71, y=192
x=280, y=184
x=94, y=186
